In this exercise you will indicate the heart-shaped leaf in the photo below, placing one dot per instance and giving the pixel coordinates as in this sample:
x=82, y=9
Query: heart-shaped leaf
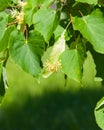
x=91, y=27
x=27, y=54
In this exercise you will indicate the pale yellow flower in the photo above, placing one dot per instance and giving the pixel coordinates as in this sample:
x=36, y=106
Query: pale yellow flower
x=20, y=18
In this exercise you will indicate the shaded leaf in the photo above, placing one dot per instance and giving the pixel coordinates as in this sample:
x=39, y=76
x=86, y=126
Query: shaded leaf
x=88, y=1
x=3, y=81
x=101, y=2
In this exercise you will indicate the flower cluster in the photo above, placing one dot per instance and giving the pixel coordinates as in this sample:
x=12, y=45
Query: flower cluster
x=17, y=13
x=53, y=64
x=20, y=18
x=54, y=67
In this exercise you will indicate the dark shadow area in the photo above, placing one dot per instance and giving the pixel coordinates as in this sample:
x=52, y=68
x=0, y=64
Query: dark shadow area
x=52, y=110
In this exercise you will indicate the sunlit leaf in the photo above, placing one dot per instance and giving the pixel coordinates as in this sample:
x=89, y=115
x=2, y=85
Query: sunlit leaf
x=27, y=54
x=99, y=113
x=34, y=5
x=57, y=33
x=89, y=72
x=5, y=39
x=3, y=23
x=73, y=67
x=98, y=59
x=42, y=3
x=91, y=27
x=45, y=21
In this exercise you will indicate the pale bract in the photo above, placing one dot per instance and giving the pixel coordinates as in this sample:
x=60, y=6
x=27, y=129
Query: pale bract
x=52, y=64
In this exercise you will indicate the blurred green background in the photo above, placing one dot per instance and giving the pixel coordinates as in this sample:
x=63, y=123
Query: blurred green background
x=48, y=105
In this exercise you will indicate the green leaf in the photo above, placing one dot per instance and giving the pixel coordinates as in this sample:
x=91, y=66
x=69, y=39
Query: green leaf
x=15, y=1
x=5, y=39
x=72, y=63
x=88, y=1
x=98, y=59
x=89, y=72
x=45, y=21
x=32, y=6
x=57, y=33
x=29, y=10
x=91, y=27
x=27, y=54
x=42, y=3
x=4, y=4
x=3, y=23
x=46, y=3
x=99, y=113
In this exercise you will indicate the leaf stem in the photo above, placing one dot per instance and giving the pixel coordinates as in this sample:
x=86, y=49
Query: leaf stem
x=72, y=24
x=25, y=31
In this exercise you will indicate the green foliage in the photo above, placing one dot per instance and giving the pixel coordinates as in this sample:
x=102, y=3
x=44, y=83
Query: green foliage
x=99, y=113
x=73, y=29
x=4, y=4
x=4, y=41
x=47, y=17
x=73, y=66
x=27, y=53
x=3, y=24
x=88, y=1
x=91, y=27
